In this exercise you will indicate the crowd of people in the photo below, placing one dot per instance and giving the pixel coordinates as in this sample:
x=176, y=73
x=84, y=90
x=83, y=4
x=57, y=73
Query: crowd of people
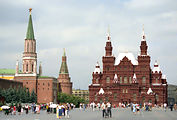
x=63, y=110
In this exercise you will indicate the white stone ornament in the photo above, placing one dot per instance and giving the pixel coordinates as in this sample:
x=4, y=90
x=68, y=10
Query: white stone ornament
x=101, y=91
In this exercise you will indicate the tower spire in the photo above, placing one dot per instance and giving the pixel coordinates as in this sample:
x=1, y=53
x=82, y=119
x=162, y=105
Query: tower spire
x=143, y=35
x=108, y=34
x=64, y=68
x=30, y=32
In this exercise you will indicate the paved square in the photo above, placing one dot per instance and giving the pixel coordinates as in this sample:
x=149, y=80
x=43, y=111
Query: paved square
x=117, y=114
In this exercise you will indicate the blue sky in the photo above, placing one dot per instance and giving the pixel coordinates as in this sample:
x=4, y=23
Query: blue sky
x=80, y=27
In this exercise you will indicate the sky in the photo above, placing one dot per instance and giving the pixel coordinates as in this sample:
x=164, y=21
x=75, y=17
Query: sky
x=80, y=26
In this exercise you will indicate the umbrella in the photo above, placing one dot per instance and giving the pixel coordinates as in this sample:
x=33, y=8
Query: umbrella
x=5, y=107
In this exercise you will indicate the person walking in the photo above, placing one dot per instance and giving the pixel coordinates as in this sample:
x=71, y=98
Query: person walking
x=109, y=109
x=60, y=111
x=19, y=109
x=175, y=107
x=26, y=108
x=14, y=110
x=103, y=107
x=165, y=106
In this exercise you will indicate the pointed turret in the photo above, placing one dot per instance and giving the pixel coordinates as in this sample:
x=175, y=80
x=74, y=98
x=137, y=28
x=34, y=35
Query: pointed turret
x=30, y=32
x=40, y=69
x=97, y=69
x=134, y=78
x=115, y=78
x=143, y=46
x=108, y=47
x=64, y=68
x=156, y=68
x=64, y=79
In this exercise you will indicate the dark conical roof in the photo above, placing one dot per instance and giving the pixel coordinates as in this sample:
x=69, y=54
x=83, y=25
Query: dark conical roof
x=30, y=32
x=64, y=67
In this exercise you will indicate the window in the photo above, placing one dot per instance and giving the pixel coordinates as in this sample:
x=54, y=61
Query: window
x=107, y=68
x=123, y=91
x=134, y=96
x=157, y=97
x=43, y=83
x=26, y=82
x=156, y=80
x=95, y=97
x=126, y=91
x=120, y=79
x=107, y=79
x=26, y=67
x=115, y=96
x=48, y=88
x=48, y=84
x=32, y=68
x=125, y=79
x=144, y=80
x=144, y=88
x=130, y=79
x=97, y=80
x=107, y=99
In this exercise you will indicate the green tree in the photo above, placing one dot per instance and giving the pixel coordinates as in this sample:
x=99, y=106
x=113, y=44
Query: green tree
x=33, y=96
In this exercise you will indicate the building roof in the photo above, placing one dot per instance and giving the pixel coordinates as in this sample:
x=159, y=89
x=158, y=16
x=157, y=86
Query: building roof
x=128, y=55
x=7, y=71
x=64, y=67
x=30, y=32
x=156, y=68
x=97, y=68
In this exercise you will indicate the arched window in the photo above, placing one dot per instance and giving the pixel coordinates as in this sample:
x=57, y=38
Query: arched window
x=134, y=96
x=107, y=79
x=144, y=80
x=120, y=79
x=32, y=67
x=27, y=67
x=130, y=80
x=115, y=96
x=125, y=79
x=95, y=97
x=157, y=97
x=156, y=80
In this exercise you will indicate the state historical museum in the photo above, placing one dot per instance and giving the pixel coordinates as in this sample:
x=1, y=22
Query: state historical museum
x=128, y=80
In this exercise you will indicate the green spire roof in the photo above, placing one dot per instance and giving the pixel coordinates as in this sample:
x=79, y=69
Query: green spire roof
x=30, y=32
x=64, y=67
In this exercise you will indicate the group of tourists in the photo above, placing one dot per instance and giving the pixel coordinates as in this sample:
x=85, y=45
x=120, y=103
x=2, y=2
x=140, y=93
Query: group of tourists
x=63, y=110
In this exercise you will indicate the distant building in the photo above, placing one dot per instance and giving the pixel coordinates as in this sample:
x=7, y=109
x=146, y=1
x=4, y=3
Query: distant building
x=126, y=79
x=81, y=93
x=7, y=74
x=172, y=93
x=45, y=87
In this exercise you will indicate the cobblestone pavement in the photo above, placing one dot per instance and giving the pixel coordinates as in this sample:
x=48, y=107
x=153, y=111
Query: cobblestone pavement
x=117, y=114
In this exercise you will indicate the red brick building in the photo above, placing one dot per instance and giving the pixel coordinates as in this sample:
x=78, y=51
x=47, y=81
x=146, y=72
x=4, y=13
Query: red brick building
x=125, y=79
x=45, y=87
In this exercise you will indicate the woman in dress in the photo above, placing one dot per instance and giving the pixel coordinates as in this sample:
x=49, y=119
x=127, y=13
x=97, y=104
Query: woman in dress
x=60, y=111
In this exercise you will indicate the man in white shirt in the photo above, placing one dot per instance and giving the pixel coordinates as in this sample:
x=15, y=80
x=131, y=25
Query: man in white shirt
x=109, y=109
x=103, y=107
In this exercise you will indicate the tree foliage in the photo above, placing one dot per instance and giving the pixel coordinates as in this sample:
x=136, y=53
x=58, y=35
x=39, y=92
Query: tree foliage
x=18, y=95
x=65, y=98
